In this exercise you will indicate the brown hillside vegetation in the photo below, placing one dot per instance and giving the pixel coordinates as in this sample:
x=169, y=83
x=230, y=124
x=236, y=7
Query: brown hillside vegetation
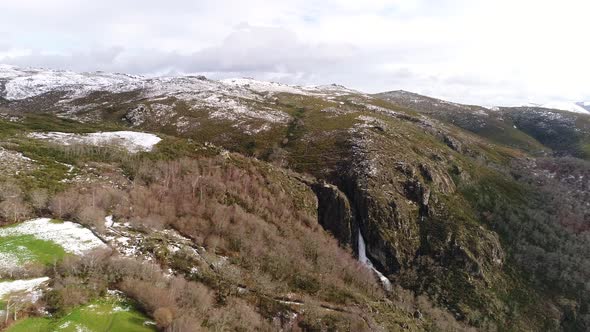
x=281, y=269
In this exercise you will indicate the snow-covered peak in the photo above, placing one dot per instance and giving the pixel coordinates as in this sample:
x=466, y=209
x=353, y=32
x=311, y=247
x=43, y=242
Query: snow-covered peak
x=274, y=87
x=262, y=86
x=333, y=89
x=566, y=106
x=25, y=83
x=8, y=71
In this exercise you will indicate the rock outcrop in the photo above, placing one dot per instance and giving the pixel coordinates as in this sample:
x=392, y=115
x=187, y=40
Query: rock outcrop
x=334, y=212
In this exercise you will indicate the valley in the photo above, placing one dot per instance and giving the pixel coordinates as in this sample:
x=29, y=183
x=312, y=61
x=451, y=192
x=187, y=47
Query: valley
x=189, y=204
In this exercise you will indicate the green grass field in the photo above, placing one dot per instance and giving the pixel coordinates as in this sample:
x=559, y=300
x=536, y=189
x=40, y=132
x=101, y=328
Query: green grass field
x=110, y=314
x=28, y=249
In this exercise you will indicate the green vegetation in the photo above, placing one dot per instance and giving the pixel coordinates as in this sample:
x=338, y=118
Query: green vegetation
x=541, y=243
x=47, y=122
x=564, y=132
x=28, y=249
x=51, y=159
x=108, y=314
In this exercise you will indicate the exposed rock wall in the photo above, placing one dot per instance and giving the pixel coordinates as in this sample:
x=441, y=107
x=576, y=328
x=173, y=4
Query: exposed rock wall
x=335, y=213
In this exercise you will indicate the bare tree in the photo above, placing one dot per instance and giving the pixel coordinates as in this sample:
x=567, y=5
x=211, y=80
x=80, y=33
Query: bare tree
x=39, y=198
x=14, y=209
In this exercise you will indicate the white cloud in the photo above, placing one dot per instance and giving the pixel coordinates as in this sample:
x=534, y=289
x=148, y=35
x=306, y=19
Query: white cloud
x=486, y=52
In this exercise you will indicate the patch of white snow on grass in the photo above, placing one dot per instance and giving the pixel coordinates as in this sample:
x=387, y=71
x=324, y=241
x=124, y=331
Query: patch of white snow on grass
x=130, y=140
x=72, y=237
x=82, y=328
x=8, y=260
x=65, y=325
x=8, y=287
x=120, y=309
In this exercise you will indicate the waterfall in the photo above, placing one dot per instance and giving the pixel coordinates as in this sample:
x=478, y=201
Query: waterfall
x=367, y=262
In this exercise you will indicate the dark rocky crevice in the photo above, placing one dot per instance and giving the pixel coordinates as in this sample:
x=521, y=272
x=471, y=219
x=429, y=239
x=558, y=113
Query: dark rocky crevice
x=344, y=209
x=347, y=207
x=344, y=216
x=335, y=213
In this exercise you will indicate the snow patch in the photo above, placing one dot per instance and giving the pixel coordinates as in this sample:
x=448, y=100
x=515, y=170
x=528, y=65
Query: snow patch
x=108, y=221
x=8, y=260
x=233, y=110
x=130, y=140
x=120, y=309
x=65, y=325
x=81, y=328
x=26, y=83
x=262, y=87
x=8, y=287
x=72, y=237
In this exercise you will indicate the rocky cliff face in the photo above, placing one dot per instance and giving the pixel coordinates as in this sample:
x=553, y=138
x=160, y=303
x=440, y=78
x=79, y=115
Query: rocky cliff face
x=402, y=206
x=404, y=202
x=335, y=213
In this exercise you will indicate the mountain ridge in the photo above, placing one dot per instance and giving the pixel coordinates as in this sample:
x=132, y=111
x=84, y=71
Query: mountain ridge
x=119, y=82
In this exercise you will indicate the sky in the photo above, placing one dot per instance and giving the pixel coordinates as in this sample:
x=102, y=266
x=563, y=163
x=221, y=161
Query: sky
x=492, y=52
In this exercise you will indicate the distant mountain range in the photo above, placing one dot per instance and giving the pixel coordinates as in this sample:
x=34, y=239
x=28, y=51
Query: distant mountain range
x=585, y=105
x=21, y=83
x=576, y=107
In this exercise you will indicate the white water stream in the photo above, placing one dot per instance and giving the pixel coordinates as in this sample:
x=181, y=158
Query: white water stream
x=366, y=261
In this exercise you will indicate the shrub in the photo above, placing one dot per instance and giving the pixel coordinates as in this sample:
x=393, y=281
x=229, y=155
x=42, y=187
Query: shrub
x=164, y=317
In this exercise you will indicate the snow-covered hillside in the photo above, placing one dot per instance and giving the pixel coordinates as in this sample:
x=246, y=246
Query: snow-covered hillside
x=130, y=140
x=26, y=83
x=22, y=83
x=250, y=105
x=566, y=106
